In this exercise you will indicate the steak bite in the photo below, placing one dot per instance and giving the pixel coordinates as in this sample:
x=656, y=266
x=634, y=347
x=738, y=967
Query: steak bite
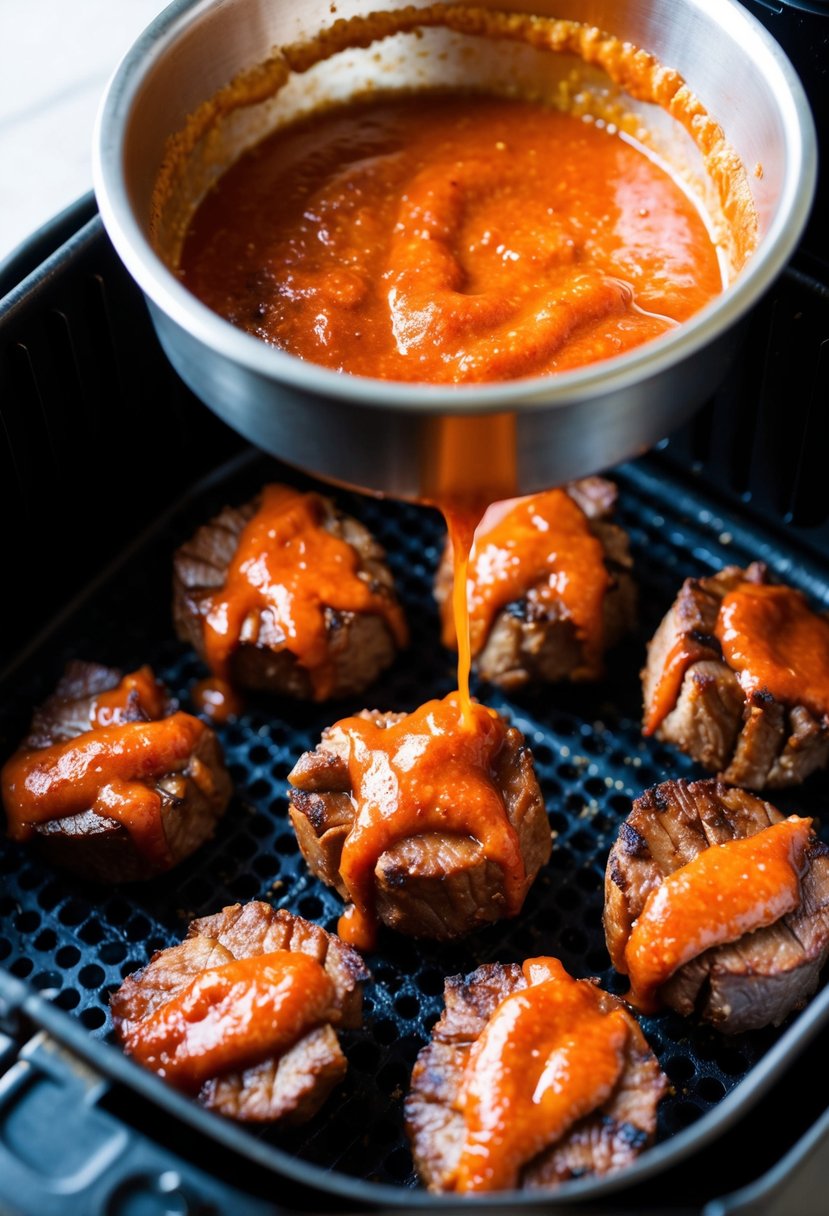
x=737, y=676
x=737, y=934
x=550, y=588
x=529, y=1094
x=288, y=595
x=431, y=826
x=269, y=989
x=112, y=782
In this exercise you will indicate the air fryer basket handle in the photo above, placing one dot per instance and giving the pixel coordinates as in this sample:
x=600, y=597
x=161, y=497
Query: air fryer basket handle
x=63, y=1153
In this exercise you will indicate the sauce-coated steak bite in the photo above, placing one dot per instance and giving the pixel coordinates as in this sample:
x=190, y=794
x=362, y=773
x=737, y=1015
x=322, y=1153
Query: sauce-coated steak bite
x=243, y=1014
x=531, y=1078
x=550, y=588
x=737, y=676
x=112, y=781
x=715, y=905
x=288, y=595
x=429, y=823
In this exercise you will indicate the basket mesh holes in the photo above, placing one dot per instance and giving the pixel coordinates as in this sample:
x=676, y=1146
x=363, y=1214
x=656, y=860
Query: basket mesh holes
x=68, y=999
x=679, y=1070
x=45, y=941
x=27, y=922
x=710, y=1089
x=112, y=952
x=92, y=976
x=92, y=932
x=68, y=957
x=407, y=1006
x=93, y=1018
x=44, y=980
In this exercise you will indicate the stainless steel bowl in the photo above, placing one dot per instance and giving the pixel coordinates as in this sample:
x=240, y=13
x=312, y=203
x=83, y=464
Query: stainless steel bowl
x=390, y=437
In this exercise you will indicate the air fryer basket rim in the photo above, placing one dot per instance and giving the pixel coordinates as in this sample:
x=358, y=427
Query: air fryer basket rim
x=655, y=1161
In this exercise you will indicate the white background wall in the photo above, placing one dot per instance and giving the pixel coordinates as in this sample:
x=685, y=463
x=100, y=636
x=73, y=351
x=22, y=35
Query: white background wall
x=55, y=59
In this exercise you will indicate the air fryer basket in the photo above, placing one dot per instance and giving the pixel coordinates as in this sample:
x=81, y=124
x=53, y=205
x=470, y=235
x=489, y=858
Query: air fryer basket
x=77, y=353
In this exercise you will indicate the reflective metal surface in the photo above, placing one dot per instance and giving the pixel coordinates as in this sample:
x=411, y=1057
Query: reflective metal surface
x=384, y=436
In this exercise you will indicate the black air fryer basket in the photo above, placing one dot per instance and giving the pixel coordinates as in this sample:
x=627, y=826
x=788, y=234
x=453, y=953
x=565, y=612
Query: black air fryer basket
x=107, y=463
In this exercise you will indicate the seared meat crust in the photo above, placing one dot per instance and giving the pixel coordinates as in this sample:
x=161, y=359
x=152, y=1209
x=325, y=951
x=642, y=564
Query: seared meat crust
x=755, y=981
x=361, y=646
x=532, y=641
x=193, y=799
x=606, y=1141
x=756, y=741
x=434, y=885
x=294, y=1086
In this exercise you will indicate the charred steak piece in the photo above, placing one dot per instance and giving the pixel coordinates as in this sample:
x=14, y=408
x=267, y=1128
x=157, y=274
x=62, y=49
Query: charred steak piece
x=758, y=976
x=431, y=827
x=731, y=710
x=288, y=595
x=506, y=1097
x=550, y=588
x=269, y=990
x=146, y=785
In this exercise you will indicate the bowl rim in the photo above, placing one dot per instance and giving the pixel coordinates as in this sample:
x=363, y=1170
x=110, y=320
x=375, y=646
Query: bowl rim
x=617, y=374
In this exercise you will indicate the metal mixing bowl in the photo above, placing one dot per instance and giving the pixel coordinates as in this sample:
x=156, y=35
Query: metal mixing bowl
x=388, y=437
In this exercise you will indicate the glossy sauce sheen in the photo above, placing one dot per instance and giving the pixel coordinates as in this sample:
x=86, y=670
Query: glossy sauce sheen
x=450, y=238
x=427, y=773
x=289, y=565
x=108, y=770
x=726, y=891
x=233, y=1016
x=774, y=641
x=777, y=644
x=548, y=1056
x=139, y=688
x=216, y=699
x=543, y=545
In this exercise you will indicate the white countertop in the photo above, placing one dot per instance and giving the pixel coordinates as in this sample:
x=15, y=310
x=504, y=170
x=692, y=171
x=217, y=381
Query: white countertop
x=56, y=57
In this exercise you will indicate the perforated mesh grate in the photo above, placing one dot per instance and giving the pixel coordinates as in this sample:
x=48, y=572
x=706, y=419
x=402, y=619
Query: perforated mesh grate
x=78, y=942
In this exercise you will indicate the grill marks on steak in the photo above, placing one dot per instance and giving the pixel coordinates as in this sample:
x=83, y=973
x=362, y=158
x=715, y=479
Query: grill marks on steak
x=293, y=1086
x=605, y=1141
x=193, y=799
x=755, y=981
x=532, y=641
x=434, y=885
x=361, y=646
x=750, y=741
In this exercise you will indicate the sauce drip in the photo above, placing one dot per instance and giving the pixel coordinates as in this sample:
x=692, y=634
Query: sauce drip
x=777, y=644
x=138, y=689
x=770, y=636
x=422, y=775
x=450, y=238
x=291, y=567
x=543, y=547
x=684, y=652
x=233, y=1016
x=461, y=523
x=726, y=891
x=216, y=699
x=110, y=771
x=548, y=1056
